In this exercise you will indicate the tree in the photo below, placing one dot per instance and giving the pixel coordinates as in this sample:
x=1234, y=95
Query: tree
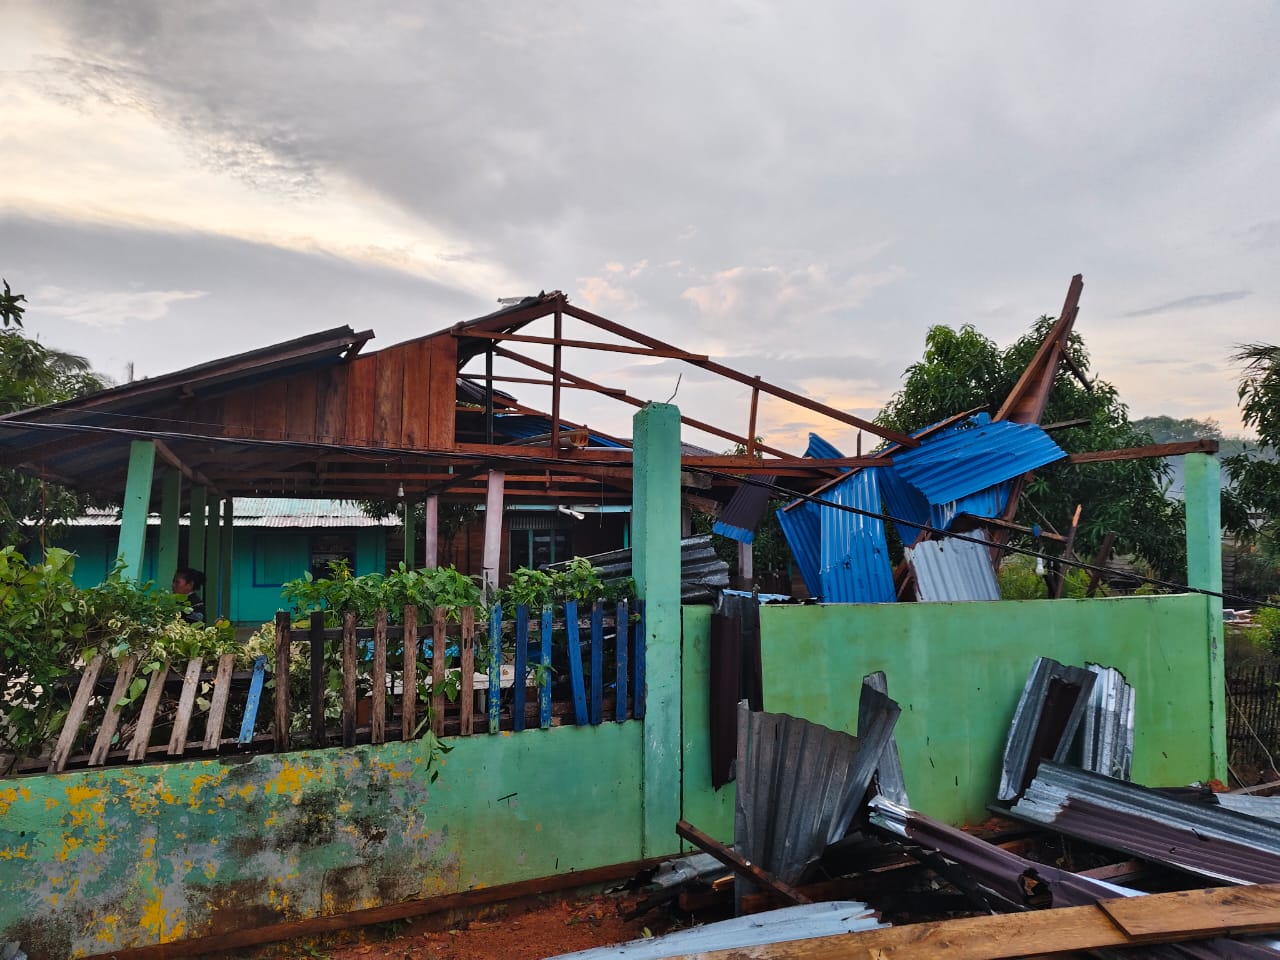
x=1255, y=474
x=962, y=369
x=32, y=375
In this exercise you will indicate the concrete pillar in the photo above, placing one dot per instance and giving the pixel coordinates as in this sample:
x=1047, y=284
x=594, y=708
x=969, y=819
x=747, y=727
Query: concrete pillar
x=1202, y=482
x=431, y=533
x=655, y=561
x=493, y=530
x=137, y=501
x=195, y=531
x=170, y=511
x=211, y=565
x=224, y=559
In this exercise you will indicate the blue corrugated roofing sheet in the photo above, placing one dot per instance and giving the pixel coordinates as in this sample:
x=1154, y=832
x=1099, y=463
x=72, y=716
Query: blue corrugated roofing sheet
x=803, y=530
x=819, y=449
x=855, y=565
x=974, y=455
x=905, y=502
x=953, y=570
x=522, y=426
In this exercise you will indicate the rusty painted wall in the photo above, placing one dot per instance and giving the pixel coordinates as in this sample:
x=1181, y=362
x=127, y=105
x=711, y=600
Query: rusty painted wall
x=95, y=861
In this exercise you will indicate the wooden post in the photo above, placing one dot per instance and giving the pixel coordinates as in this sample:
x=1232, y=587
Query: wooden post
x=283, y=641
x=316, y=637
x=493, y=531
x=409, y=675
x=466, y=670
x=751, y=420
x=224, y=559
x=378, y=679
x=170, y=510
x=349, y=679
x=555, y=385
x=431, y=532
x=439, y=642
x=137, y=500
x=410, y=536
x=746, y=572
x=212, y=562
x=195, y=532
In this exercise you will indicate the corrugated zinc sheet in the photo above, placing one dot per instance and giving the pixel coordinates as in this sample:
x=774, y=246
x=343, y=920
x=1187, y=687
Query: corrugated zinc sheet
x=953, y=569
x=803, y=530
x=741, y=515
x=1045, y=721
x=974, y=455
x=1108, y=725
x=904, y=502
x=800, y=784
x=855, y=565
x=702, y=573
x=1203, y=839
x=820, y=449
x=774, y=926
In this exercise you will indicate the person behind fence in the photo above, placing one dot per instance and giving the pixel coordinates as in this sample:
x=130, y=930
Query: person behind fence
x=188, y=581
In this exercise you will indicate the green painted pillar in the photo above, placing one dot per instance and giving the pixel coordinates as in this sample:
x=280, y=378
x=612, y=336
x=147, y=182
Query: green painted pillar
x=1202, y=481
x=170, y=511
x=195, y=533
x=137, y=501
x=224, y=560
x=410, y=536
x=655, y=561
x=212, y=563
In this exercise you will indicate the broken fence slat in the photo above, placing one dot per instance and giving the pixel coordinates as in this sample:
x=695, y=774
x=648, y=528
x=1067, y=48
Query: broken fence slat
x=107, y=732
x=316, y=637
x=438, y=653
x=623, y=633
x=281, y=721
x=349, y=679
x=493, y=695
x=378, y=677
x=522, y=668
x=251, y=702
x=79, y=707
x=409, y=677
x=467, y=680
x=186, y=706
x=544, y=689
x=597, y=662
x=147, y=718
x=218, y=702
x=574, y=648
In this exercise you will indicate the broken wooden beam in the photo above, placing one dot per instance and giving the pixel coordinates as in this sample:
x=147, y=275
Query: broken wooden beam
x=739, y=864
x=1181, y=448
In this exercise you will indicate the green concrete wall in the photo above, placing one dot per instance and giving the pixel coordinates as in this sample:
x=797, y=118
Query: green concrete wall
x=97, y=861
x=957, y=669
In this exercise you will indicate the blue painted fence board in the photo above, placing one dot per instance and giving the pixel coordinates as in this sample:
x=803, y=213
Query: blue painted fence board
x=544, y=690
x=522, y=667
x=623, y=643
x=575, y=663
x=495, y=668
x=597, y=662
x=254, y=698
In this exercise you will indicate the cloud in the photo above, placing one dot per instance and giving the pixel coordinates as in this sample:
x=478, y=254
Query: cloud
x=111, y=308
x=1192, y=303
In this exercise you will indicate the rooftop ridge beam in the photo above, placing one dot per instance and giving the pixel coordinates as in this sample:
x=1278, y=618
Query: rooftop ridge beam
x=670, y=353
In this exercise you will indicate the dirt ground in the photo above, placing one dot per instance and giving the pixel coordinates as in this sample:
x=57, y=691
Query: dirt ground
x=530, y=931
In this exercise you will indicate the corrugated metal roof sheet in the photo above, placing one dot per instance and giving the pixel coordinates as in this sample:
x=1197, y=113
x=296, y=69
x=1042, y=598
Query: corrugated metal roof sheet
x=1108, y=725
x=974, y=455
x=702, y=573
x=855, y=565
x=820, y=449
x=803, y=530
x=1045, y=721
x=774, y=926
x=1203, y=839
x=953, y=570
x=741, y=515
x=522, y=426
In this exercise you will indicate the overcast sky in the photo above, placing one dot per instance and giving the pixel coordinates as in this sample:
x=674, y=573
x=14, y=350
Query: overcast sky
x=798, y=189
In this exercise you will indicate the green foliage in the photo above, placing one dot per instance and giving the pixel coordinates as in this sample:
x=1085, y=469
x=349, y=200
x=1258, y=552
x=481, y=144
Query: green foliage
x=32, y=375
x=1266, y=626
x=341, y=592
x=1255, y=475
x=962, y=370
x=49, y=629
x=1019, y=581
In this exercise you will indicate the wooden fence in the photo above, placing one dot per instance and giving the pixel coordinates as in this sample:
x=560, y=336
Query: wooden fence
x=1253, y=718
x=361, y=684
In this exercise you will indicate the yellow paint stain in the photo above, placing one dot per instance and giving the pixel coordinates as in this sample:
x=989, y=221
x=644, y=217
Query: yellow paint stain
x=167, y=796
x=506, y=733
x=8, y=797
x=15, y=853
x=291, y=779
x=210, y=870
x=50, y=803
x=345, y=807
x=70, y=843
x=148, y=847
x=537, y=827
x=77, y=794
x=199, y=783
x=107, y=928
x=153, y=916
x=100, y=845
x=53, y=899
x=246, y=791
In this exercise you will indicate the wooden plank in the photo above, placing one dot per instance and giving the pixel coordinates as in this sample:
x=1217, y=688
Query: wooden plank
x=252, y=700
x=331, y=404
x=518, y=689
x=147, y=717
x=414, y=427
x=237, y=414
x=315, y=637
x=439, y=643
x=102, y=745
x=361, y=376
x=739, y=864
x=269, y=410
x=622, y=618
x=388, y=395
x=378, y=678
x=667, y=354
x=409, y=675
x=349, y=679
x=467, y=667
x=544, y=690
x=494, y=694
x=75, y=716
x=218, y=703
x=577, y=683
x=300, y=406
x=1203, y=445
x=442, y=393
x=637, y=664
x=186, y=706
x=1186, y=915
x=597, y=661
x=281, y=676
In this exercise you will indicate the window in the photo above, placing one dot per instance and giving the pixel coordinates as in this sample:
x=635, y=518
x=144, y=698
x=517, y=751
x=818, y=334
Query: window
x=533, y=548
